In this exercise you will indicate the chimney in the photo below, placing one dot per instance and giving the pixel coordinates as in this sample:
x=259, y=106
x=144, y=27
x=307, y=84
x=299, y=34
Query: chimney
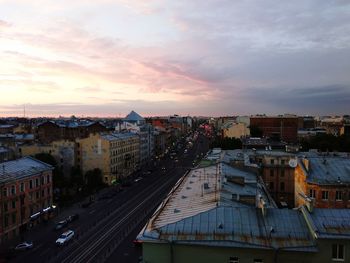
x=310, y=204
x=306, y=163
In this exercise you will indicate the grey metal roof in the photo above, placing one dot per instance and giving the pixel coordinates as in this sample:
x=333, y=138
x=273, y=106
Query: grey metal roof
x=329, y=170
x=21, y=168
x=118, y=136
x=239, y=227
x=331, y=223
x=133, y=116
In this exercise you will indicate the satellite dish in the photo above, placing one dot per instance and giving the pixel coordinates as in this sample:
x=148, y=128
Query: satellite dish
x=293, y=163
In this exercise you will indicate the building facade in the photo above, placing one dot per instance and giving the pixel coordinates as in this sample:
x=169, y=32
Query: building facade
x=115, y=154
x=25, y=195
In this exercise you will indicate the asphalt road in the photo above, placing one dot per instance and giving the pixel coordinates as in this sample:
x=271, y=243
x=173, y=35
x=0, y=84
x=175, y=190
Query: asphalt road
x=105, y=230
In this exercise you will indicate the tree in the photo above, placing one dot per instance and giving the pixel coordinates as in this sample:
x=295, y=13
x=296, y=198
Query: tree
x=255, y=131
x=93, y=180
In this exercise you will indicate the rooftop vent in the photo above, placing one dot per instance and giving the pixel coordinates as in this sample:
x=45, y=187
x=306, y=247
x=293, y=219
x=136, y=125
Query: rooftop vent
x=188, y=188
x=183, y=197
x=206, y=186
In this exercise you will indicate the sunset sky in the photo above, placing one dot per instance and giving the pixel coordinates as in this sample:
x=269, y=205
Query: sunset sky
x=198, y=57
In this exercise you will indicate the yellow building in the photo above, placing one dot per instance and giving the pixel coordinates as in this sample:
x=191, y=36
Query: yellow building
x=63, y=151
x=115, y=154
x=235, y=130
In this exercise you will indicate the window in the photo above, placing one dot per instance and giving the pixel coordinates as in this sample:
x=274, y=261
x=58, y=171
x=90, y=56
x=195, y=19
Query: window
x=13, y=189
x=258, y=260
x=4, y=191
x=312, y=193
x=325, y=195
x=283, y=162
x=271, y=185
x=14, y=218
x=5, y=207
x=36, y=182
x=48, y=191
x=31, y=184
x=338, y=252
x=271, y=173
x=272, y=161
x=22, y=187
x=282, y=173
x=6, y=220
x=338, y=196
x=282, y=186
x=14, y=204
x=42, y=193
x=234, y=260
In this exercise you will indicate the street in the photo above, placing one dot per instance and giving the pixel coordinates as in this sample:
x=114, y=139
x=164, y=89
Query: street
x=105, y=230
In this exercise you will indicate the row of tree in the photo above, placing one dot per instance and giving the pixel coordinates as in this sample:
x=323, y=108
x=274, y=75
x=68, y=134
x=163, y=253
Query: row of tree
x=327, y=142
x=76, y=183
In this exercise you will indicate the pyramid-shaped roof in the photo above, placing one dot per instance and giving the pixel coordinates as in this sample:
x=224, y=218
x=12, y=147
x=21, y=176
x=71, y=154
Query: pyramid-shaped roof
x=133, y=117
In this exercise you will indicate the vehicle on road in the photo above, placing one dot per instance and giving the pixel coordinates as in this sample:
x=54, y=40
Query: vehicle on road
x=61, y=224
x=138, y=179
x=24, y=246
x=72, y=218
x=65, y=237
x=163, y=169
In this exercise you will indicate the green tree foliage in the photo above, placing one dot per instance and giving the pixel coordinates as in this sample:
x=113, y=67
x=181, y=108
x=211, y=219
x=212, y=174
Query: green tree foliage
x=327, y=142
x=58, y=180
x=226, y=143
x=93, y=180
x=255, y=131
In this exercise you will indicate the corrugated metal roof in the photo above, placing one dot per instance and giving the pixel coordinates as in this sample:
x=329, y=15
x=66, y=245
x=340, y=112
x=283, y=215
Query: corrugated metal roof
x=241, y=227
x=329, y=170
x=332, y=223
x=21, y=168
x=118, y=136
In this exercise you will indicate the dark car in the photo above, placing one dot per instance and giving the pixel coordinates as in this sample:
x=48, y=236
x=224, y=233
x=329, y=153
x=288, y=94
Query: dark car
x=61, y=224
x=73, y=217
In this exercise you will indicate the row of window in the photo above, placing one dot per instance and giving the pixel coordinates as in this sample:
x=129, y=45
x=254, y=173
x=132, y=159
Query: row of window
x=123, y=150
x=325, y=195
x=272, y=173
x=338, y=254
x=8, y=191
x=272, y=186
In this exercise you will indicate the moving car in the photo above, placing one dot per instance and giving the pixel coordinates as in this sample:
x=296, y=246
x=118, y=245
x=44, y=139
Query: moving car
x=24, y=246
x=61, y=224
x=72, y=218
x=138, y=179
x=65, y=237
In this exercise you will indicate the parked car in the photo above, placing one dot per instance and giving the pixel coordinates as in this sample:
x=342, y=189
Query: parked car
x=72, y=218
x=24, y=246
x=65, y=237
x=61, y=224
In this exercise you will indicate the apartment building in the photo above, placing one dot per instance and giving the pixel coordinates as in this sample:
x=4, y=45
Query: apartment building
x=323, y=179
x=25, y=195
x=116, y=154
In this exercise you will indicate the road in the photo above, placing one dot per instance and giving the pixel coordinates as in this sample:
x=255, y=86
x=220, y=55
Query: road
x=105, y=230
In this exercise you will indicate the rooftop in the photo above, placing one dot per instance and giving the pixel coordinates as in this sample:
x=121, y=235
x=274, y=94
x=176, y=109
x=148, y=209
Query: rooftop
x=118, y=136
x=327, y=170
x=21, y=168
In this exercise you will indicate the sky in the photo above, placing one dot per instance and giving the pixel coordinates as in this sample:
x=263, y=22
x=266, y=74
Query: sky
x=198, y=57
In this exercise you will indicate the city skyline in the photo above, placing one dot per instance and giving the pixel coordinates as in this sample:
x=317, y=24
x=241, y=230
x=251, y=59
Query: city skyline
x=164, y=57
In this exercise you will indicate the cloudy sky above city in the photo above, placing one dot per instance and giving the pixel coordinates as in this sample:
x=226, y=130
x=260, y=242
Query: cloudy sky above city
x=198, y=57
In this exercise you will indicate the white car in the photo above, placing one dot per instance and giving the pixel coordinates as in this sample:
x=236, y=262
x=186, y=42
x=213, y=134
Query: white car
x=65, y=237
x=24, y=246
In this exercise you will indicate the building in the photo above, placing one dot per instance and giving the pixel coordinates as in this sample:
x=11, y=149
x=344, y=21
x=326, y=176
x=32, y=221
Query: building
x=234, y=130
x=62, y=150
x=220, y=214
x=25, y=195
x=50, y=131
x=115, y=154
x=284, y=128
x=323, y=179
